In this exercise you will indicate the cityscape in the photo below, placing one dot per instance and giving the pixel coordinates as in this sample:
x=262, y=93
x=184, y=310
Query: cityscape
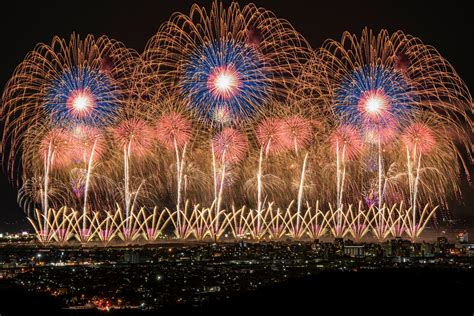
x=229, y=156
x=195, y=277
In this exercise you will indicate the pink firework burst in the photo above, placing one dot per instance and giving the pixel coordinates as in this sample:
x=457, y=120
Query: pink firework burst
x=173, y=128
x=298, y=131
x=87, y=140
x=421, y=136
x=347, y=137
x=271, y=134
x=230, y=145
x=81, y=102
x=134, y=135
x=224, y=82
x=57, y=145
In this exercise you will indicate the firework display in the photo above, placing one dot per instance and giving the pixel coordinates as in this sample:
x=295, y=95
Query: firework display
x=226, y=63
x=229, y=125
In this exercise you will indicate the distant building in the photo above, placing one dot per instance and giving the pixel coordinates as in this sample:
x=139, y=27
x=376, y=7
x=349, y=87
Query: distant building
x=463, y=237
x=339, y=246
x=357, y=251
x=132, y=257
x=442, y=245
x=401, y=247
x=467, y=249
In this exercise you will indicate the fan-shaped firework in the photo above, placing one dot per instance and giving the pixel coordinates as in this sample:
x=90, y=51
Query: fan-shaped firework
x=225, y=76
x=373, y=95
x=382, y=83
x=391, y=76
x=226, y=62
x=81, y=95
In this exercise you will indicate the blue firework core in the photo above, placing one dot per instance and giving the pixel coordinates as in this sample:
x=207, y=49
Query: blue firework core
x=225, y=80
x=374, y=96
x=81, y=95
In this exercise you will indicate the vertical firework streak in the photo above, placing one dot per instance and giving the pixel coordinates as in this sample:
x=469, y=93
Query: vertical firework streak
x=54, y=148
x=419, y=139
x=174, y=132
x=298, y=135
x=83, y=137
x=134, y=136
x=259, y=189
x=298, y=230
x=346, y=141
x=271, y=137
x=47, y=164
x=229, y=146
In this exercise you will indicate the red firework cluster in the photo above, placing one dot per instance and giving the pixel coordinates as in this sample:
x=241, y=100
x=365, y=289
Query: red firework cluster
x=347, y=137
x=134, y=135
x=381, y=133
x=419, y=137
x=271, y=135
x=88, y=140
x=173, y=129
x=277, y=135
x=298, y=132
x=230, y=145
x=56, y=148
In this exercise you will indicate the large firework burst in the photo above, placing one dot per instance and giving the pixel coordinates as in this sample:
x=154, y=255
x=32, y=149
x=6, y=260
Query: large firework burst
x=69, y=82
x=228, y=62
x=382, y=83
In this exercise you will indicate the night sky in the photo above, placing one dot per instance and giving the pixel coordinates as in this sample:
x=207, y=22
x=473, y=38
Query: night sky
x=448, y=26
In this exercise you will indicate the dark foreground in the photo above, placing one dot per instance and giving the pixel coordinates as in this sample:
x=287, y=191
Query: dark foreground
x=423, y=291
x=207, y=279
